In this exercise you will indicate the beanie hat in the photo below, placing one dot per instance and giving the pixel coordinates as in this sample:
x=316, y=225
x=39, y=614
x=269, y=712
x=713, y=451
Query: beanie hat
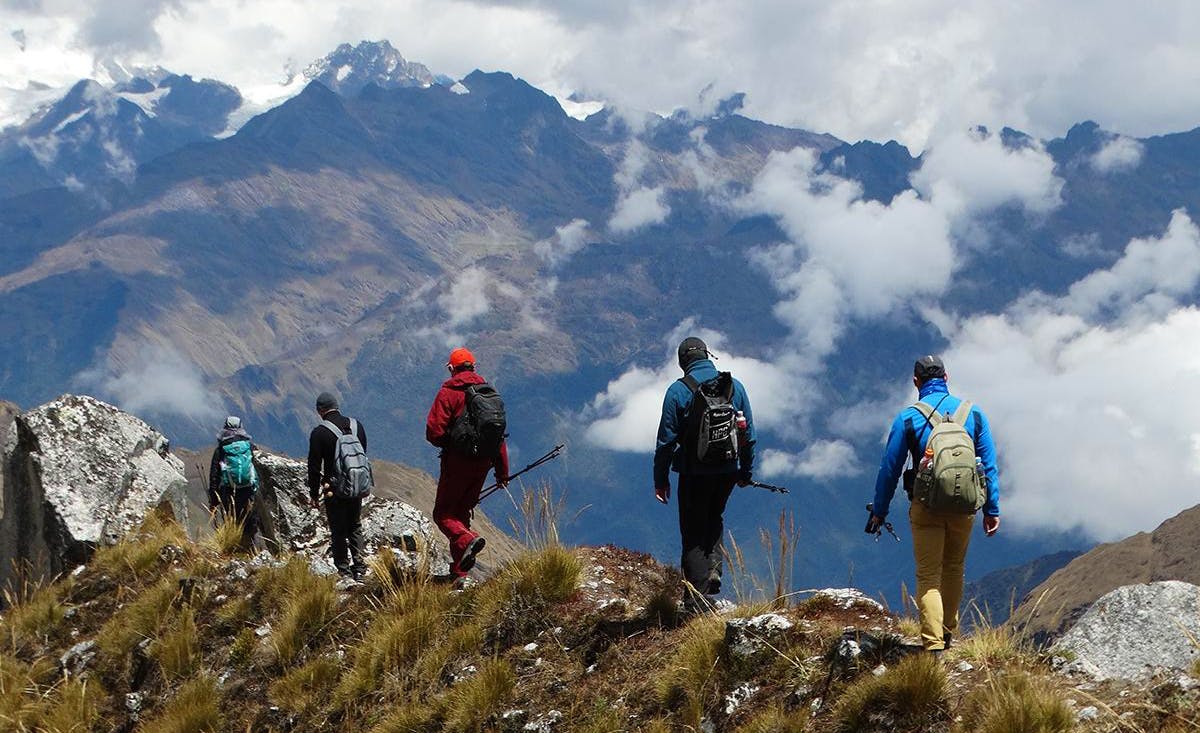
x=929, y=367
x=326, y=401
x=233, y=422
x=691, y=349
x=460, y=357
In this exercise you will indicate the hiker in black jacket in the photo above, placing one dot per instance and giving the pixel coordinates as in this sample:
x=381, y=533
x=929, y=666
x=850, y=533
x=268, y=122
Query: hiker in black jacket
x=345, y=525
x=232, y=479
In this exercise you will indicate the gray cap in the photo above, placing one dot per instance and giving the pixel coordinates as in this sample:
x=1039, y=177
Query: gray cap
x=326, y=401
x=929, y=367
x=233, y=422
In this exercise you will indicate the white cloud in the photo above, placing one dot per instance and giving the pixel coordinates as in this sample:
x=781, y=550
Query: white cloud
x=157, y=381
x=567, y=240
x=1120, y=153
x=1095, y=419
x=822, y=459
x=965, y=174
x=639, y=208
x=466, y=299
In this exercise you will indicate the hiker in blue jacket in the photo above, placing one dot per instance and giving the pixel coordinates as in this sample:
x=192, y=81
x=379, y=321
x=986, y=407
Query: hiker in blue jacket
x=704, y=484
x=940, y=538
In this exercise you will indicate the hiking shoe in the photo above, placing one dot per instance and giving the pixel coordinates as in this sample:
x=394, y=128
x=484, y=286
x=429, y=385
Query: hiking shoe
x=464, y=582
x=473, y=549
x=948, y=637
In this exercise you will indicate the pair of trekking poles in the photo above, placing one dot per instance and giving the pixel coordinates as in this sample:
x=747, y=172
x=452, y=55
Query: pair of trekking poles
x=557, y=450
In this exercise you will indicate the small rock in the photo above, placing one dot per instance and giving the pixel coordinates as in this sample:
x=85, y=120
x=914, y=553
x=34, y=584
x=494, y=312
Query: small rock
x=77, y=658
x=739, y=695
x=78, y=571
x=746, y=637
x=221, y=598
x=1187, y=683
x=263, y=631
x=1088, y=713
x=531, y=647
x=965, y=666
x=880, y=671
x=847, y=598
x=591, y=669
x=133, y=703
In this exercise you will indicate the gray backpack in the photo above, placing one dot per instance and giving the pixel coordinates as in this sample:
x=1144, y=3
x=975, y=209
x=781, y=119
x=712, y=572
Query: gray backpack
x=354, y=479
x=952, y=480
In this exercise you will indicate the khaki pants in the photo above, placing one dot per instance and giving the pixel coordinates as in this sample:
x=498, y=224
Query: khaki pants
x=940, y=548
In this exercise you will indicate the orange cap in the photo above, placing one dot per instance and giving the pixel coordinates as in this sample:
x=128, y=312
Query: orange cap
x=460, y=356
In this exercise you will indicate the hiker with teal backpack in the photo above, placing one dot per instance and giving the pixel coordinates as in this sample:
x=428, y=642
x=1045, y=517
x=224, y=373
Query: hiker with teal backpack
x=953, y=476
x=706, y=435
x=233, y=480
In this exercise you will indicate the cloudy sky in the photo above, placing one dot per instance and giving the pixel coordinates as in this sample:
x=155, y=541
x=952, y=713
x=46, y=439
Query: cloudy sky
x=914, y=70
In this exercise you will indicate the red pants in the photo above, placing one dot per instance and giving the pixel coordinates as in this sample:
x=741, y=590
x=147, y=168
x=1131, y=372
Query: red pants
x=458, y=488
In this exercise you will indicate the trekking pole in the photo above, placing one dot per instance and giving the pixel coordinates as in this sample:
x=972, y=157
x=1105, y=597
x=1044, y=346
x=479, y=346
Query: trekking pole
x=879, y=530
x=550, y=456
x=769, y=487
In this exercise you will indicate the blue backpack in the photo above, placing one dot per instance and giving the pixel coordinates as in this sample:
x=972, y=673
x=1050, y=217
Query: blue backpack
x=237, y=465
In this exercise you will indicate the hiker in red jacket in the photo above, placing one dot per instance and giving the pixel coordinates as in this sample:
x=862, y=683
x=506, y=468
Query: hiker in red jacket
x=464, y=464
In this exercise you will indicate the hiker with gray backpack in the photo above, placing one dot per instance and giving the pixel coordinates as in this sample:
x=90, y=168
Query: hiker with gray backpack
x=233, y=480
x=339, y=475
x=706, y=434
x=953, y=476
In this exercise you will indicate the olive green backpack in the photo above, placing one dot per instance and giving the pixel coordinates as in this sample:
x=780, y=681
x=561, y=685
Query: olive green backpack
x=952, y=481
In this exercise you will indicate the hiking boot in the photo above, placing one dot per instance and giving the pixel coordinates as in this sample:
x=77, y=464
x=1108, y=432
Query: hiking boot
x=948, y=637
x=464, y=582
x=359, y=574
x=473, y=549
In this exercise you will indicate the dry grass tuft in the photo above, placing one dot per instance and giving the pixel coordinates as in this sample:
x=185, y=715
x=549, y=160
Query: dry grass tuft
x=72, y=707
x=32, y=615
x=989, y=645
x=140, y=553
x=226, y=539
x=306, y=687
x=389, y=647
x=514, y=601
x=474, y=701
x=308, y=607
x=142, y=618
x=178, y=649
x=196, y=708
x=1016, y=703
x=35, y=698
x=910, y=696
x=689, y=683
x=777, y=720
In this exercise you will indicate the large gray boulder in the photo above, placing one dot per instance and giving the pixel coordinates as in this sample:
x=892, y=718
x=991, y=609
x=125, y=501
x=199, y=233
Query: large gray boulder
x=79, y=473
x=1135, y=631
x=288, y=522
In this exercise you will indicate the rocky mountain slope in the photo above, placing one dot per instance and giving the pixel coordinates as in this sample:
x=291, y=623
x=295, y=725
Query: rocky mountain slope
x=1170, y=552
x=997, y=594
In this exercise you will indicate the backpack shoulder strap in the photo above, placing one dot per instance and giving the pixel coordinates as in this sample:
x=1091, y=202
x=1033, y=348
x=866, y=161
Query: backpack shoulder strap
x=353, y=428
x=690, y=382
x=963, y=411
x=337, y=432
x=929, y=411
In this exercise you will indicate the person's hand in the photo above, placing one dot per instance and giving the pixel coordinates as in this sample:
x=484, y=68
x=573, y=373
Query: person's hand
x=502, y=482
x=874, y=524
x=663, y=493
x=991, y=525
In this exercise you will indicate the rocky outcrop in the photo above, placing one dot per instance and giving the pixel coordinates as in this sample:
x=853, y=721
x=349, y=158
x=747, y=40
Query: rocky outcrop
x=79, y=473
x=1134, y=632
x=289, y=522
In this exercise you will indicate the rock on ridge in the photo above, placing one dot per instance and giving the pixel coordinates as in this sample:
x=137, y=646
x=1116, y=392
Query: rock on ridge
x=80, y=473
x=289, y=522
x=1135, y=631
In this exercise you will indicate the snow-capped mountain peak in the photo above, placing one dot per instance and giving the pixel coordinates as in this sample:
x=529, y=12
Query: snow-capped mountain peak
x=349, y=68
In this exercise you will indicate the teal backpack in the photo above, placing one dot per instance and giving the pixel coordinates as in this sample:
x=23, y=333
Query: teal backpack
x=237, y=466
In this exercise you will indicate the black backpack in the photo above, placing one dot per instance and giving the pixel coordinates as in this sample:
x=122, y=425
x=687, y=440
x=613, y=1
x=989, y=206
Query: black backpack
x=711, y=428
x=480, y=429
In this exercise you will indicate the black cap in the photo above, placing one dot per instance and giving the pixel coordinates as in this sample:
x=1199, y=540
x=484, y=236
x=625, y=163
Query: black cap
x=691, y=349
x=326, y=401
x=929, y=367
